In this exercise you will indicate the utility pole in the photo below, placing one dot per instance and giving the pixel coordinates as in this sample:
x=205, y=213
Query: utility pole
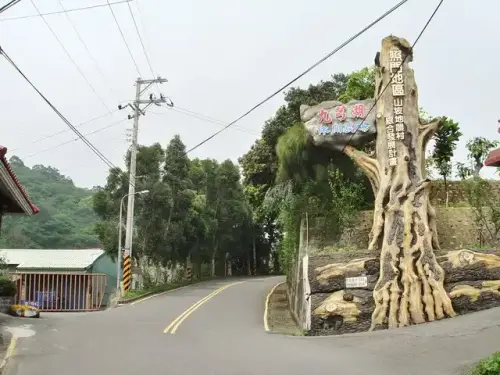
x=138, y=111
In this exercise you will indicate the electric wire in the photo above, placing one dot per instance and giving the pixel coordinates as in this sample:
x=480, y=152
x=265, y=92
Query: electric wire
x=86, y=48
x=9, y=5
x=143, y=46
x=67, y=130
x=124, y=39
x=203, y=117
x=77, y=138
x=61, y=116
x=63, y=11
x=69, y=56
x=429, y=20
x=341, y=46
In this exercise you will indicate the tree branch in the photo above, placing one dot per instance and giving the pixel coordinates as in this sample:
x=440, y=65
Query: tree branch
x=427, y=130
x=369, y=165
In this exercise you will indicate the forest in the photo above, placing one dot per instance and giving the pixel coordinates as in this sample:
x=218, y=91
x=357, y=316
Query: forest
x=66, y=218
x=207, y=211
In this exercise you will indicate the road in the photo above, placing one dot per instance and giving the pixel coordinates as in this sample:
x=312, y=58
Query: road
x=225, y=335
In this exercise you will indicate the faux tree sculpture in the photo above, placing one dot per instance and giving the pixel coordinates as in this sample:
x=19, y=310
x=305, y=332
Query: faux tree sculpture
x=410, y=286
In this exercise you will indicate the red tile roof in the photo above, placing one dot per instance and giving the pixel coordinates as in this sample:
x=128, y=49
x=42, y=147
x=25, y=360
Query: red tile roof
x=493, y=159
x=3, y=159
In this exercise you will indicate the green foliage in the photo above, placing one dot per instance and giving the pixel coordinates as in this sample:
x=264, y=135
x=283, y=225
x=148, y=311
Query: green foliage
x=195, y=209
x=283, y=174
x=8, y=287
x=446, y=138
x=488, y=366
x=292, y=151
x=486, y=207
x=463, y=171
x=479, y=148
x=347, y=199
x=360, y=85
x=66, y=218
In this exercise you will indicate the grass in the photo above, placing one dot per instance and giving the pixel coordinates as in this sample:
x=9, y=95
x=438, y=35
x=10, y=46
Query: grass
x=488, y=366
x=132, y=294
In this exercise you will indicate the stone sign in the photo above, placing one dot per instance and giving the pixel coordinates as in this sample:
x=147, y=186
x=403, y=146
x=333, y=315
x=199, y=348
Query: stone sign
x=336, y=124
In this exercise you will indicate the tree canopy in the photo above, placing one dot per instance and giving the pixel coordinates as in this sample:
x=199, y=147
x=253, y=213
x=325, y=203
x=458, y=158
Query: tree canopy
x=195, y=209
x=283, y=172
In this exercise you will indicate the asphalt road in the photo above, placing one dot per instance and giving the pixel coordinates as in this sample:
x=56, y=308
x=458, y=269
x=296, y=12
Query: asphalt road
x=225, y=335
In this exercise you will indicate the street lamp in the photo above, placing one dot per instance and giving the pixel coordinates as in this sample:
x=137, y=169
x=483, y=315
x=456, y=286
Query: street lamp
x=118, y=260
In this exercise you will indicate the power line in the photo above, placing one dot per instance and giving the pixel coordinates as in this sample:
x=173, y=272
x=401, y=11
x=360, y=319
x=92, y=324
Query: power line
x=69, y=56
x=66, y=130
x=61, y=116
x=64, y=11
x=203, y=117
x=143, y=47
x=355, y=36
x=86, y=47
x=76, y=139
x=9, y=5
x=399, y=67
x=123, y=38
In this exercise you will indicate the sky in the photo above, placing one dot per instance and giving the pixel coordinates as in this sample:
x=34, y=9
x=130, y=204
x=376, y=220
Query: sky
x=222, y=57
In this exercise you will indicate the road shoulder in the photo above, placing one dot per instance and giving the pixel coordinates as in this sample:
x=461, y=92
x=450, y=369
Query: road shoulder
x=7, y=347
x=277, y=316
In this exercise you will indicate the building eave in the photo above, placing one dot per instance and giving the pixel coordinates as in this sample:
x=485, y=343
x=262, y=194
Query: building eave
x=493, y=158
x=9, y=178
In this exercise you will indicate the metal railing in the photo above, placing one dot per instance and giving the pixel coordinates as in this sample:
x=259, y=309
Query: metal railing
x=60, y=291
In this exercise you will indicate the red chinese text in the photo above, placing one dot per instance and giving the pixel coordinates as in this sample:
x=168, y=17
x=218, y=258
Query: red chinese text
x=324, y=117
x=341, y=112
x=358, y=111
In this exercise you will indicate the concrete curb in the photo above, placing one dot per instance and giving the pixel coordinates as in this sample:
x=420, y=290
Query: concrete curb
x=149, y=295
x=9, y=352
x=130, y=300
x=266, y=309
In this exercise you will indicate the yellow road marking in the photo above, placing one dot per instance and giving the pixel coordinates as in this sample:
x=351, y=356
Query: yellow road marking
x=10, y=351
x=266, y=324
x=172, y=328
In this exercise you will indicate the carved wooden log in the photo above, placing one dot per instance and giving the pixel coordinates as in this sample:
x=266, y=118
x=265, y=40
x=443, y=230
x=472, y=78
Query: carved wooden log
x=474, y=295
x=460, y=266
x=331, y=277
x=472, y=283
x=470, y=265
x=341, y=312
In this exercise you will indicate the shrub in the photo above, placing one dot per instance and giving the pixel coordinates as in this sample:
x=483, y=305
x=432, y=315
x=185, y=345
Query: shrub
x=8, y=288
x=488, y=366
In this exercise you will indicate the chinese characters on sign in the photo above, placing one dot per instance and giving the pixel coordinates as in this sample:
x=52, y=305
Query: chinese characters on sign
x=342, y=112
x=395, y=127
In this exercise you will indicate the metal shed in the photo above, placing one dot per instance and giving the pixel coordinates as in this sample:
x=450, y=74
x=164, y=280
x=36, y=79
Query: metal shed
x=61, y=279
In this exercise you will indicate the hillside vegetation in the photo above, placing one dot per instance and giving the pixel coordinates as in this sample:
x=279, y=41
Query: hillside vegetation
x=66, y=218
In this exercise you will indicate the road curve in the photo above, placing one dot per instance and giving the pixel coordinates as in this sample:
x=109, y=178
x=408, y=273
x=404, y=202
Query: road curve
x=225, y=335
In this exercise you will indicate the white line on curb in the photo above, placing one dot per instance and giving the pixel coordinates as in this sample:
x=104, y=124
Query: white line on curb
x=266, y=325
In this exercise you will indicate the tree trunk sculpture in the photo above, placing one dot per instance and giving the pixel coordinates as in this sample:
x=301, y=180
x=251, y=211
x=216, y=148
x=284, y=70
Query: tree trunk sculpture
x=410, y=287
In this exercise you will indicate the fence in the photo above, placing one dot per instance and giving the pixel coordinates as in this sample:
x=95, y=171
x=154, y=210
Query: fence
x=60, y=291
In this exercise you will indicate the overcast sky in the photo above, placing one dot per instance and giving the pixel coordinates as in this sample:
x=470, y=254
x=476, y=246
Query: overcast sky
x=221, y=57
